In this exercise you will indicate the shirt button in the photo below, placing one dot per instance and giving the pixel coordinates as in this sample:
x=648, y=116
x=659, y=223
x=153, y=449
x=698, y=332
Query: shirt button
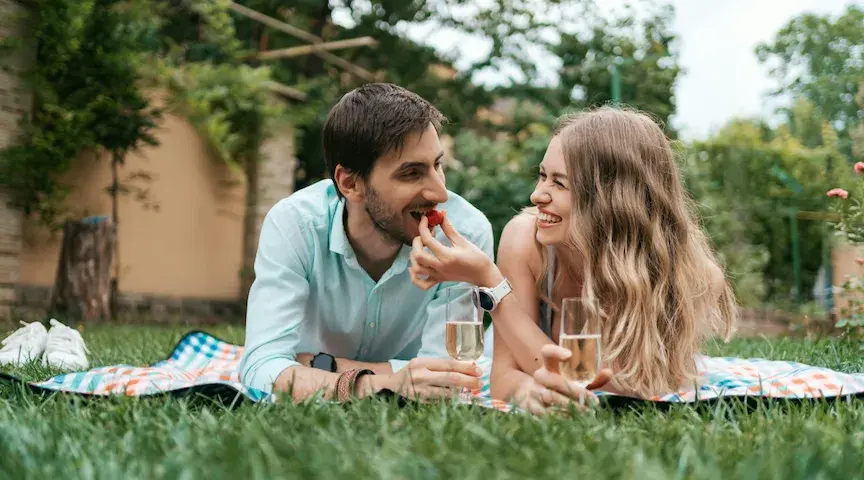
x=372, y=325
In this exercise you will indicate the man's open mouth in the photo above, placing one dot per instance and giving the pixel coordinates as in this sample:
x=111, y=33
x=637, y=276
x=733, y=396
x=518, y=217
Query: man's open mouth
x=418, y=214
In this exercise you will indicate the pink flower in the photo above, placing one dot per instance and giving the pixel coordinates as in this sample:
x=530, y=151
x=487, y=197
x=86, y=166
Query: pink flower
x=859, y=168
x=838, y=192
x=859, y=260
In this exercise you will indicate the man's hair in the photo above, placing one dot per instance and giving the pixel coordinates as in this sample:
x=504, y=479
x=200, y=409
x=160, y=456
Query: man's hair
x=369, y=121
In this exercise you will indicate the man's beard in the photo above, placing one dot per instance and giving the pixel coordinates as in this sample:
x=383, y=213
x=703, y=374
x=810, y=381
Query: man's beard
x=388, y=223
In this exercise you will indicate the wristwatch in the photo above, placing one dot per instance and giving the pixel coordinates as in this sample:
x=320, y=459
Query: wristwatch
x=324, y=361
x=491, y=297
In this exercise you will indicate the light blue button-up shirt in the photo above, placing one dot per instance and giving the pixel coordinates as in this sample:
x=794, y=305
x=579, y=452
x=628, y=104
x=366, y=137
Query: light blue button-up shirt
x=310, y=294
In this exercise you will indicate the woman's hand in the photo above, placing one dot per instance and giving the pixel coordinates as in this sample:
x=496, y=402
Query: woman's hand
x=460, y=262
x=557, y=391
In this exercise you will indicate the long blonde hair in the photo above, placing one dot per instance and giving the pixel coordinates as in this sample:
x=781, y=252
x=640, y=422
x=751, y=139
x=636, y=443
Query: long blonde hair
x=644, y=258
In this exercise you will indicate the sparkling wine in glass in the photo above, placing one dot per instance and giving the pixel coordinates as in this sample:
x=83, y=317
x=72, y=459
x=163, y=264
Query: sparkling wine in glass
x=580, y=333
x=464, y=327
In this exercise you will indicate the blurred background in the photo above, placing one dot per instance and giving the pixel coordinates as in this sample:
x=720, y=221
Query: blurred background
x=143, y=141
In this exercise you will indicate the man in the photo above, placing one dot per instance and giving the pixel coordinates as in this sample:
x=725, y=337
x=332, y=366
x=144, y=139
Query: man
x=332, y=307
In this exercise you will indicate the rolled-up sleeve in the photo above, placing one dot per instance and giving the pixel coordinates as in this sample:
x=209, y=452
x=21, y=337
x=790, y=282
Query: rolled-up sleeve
x=277, y=299
x=433, y=343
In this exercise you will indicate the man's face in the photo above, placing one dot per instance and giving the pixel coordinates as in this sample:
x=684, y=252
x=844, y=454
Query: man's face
x=405, y=184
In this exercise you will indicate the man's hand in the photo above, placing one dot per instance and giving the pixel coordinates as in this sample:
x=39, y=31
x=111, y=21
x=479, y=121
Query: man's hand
x=431, y=378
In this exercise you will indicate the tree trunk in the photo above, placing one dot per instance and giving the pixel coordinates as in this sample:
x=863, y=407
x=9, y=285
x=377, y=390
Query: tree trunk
x=83, y=285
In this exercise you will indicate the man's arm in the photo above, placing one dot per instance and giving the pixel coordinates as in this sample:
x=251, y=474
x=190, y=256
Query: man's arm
x=276, y=308
x=344, y=364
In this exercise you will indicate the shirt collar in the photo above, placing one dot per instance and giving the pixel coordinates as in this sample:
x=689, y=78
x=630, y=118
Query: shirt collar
x=338, y=238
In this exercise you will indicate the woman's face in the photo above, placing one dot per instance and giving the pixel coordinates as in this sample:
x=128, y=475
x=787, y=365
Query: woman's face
x=552, y=196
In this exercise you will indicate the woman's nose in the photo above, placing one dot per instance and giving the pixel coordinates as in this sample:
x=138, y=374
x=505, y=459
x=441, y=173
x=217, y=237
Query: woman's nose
x=539, y=197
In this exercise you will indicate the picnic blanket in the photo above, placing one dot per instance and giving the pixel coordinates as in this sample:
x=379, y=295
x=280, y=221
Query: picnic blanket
x=203, y=364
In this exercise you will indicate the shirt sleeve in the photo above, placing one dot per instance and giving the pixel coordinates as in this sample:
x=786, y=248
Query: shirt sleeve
x=277, y=299
x=434, y=331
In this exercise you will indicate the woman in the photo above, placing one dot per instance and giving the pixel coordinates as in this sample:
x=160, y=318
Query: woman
x=611, y=224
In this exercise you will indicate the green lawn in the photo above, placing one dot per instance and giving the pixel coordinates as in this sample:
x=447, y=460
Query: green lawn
x=125, y=437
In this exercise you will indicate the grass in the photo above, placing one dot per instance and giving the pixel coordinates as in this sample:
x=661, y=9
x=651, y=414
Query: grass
x=135, y=438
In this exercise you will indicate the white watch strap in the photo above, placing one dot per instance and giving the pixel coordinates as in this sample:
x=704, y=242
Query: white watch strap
x=501, y=291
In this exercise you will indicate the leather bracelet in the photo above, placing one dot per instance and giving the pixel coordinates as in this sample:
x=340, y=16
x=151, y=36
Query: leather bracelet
x=347, y=382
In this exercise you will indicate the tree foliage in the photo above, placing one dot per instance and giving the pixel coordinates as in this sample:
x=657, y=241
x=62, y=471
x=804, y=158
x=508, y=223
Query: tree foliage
x=748, y=179
x=84, y=79
x=645, y=56
x=820, y=58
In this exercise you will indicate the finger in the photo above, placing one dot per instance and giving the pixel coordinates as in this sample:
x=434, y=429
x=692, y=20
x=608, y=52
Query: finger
x=430, y=241
x=422, y=283
x=534, y=407
x=430, y=393
x=450, y=231
x=449, y=365
x=602, y=378
x=426, y=272
x=560, y=384
x=551, y=398
x=553, y=355
x=421, y=256
x=450, y=380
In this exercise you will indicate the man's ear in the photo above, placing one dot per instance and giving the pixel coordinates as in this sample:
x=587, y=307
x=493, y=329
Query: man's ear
x=350, y=184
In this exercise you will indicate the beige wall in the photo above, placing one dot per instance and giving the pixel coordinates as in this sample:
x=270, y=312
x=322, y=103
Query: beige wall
x=190, y=247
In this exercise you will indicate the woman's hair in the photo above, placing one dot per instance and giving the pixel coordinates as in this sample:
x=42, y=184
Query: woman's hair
x=644, y=259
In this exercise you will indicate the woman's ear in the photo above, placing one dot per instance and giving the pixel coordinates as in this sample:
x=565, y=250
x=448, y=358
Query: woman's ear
x=350, y=184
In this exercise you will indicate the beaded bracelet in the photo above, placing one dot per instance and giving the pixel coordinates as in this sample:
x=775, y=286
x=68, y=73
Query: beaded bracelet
x=347, y=382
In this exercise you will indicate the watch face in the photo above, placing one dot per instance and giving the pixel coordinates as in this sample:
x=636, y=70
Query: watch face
x=324, y=362
x=486, y=302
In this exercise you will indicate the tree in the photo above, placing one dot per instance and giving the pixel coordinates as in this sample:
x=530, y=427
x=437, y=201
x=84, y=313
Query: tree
x=85, y=82
x=820, y=58
x=86, y=98
x=509, y=25
x=747, y=179
x=645, y=57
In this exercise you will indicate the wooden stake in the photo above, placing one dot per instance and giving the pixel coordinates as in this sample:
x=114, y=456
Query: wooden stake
x=316, y=47
x=303, y=35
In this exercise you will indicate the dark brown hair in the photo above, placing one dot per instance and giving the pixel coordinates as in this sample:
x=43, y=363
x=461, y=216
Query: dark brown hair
x=371, y=120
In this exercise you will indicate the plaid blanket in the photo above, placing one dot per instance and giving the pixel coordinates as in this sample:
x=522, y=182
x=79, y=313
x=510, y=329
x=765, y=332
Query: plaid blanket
x=201, y=362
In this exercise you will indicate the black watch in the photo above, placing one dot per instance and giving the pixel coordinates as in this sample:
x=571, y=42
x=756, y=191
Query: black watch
x=324, y=361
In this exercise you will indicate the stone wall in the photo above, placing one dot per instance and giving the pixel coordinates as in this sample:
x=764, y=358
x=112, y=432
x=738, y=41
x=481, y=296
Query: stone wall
x=14, y=101
x=32, y=303
x=276, y=169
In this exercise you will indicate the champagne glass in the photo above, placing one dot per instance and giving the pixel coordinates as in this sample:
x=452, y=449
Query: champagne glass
x=464, y=325
x=580, y=333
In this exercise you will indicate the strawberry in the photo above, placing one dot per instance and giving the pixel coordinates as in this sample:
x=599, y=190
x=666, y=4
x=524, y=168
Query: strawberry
x=435, y=218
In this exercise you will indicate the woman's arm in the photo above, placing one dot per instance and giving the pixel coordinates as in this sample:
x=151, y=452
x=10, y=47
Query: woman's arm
x=516, y=318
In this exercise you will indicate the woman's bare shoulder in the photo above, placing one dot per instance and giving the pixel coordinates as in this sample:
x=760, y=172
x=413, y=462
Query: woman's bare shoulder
x=518, y=244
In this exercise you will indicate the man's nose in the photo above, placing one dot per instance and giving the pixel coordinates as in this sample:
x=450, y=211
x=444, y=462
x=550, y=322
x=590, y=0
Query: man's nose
x=436, y=190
